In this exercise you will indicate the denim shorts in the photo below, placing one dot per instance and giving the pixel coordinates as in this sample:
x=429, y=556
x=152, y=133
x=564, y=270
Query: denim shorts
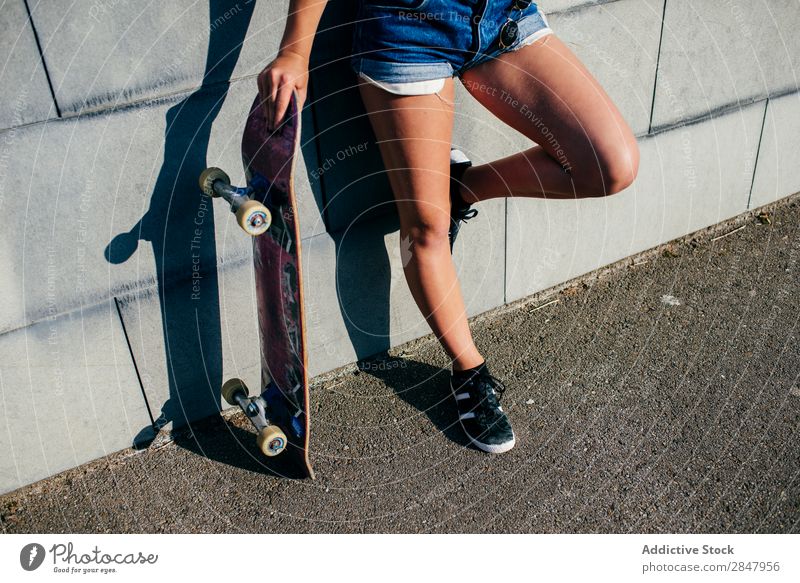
x=406, y=41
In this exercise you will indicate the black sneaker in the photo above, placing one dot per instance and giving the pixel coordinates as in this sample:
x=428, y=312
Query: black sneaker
x=460, y=211
x=477, y=396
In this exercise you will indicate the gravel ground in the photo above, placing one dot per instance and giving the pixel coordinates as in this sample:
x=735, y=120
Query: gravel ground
x=659, y=395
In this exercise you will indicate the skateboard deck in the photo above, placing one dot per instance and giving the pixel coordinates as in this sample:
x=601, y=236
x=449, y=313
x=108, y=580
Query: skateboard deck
x=267, y=209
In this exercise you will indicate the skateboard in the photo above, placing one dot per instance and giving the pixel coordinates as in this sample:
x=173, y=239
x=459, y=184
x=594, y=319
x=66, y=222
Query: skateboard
x=266, y=209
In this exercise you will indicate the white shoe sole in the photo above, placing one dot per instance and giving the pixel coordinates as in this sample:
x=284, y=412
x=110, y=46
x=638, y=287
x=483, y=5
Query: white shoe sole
x=500, y=448
x=503, y=447
x=458, y=157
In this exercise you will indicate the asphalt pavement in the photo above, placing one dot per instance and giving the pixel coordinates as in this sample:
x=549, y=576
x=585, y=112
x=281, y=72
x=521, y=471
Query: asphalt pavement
x=658, y=395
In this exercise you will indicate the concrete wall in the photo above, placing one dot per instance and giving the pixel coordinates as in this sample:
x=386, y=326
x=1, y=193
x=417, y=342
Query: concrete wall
x=109, y=111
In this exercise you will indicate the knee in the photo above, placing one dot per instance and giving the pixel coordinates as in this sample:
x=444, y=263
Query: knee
x=616, y=169
x=427, y=234
x=623, y=171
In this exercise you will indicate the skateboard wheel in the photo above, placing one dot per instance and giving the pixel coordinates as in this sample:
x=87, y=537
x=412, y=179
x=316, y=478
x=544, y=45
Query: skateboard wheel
x=271, y=441
x=208, y=177
x=253, y=217
x=231, y=388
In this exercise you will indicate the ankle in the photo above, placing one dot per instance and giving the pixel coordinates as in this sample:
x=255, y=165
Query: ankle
x=464, y=193
x=468, y=365
x=460, y=167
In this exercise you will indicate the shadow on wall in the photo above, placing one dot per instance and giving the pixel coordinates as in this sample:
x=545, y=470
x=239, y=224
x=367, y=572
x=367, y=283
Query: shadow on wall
x=354, y=188
x=190, y=313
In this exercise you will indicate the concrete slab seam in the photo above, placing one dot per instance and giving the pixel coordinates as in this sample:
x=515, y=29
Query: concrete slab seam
x=133, y=361
x=658, y=60
x=758, y=151
x=41, y=58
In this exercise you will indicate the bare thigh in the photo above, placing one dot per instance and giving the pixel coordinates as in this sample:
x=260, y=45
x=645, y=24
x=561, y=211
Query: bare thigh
x=546, y=93
x=414, y=134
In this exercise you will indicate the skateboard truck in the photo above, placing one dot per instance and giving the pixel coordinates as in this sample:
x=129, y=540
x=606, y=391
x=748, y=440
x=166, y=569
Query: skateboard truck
x=271, y=440
x=253, y=217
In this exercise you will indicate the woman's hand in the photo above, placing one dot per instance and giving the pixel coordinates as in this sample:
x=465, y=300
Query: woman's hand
x=289, y=71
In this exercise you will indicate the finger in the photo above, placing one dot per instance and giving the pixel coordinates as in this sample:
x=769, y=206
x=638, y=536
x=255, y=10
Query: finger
x=273, y=99
x=269, y=99
x=282, y=103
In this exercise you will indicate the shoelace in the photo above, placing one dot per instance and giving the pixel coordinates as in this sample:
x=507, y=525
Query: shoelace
x=466, y=214
x=489, y=387
x=487, y=391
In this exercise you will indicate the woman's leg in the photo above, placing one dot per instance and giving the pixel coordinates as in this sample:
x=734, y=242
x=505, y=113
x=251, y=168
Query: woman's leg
x=547, y=94
x=414, y=134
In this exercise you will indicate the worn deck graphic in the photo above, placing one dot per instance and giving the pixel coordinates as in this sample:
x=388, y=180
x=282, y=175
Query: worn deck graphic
x=269, y=162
